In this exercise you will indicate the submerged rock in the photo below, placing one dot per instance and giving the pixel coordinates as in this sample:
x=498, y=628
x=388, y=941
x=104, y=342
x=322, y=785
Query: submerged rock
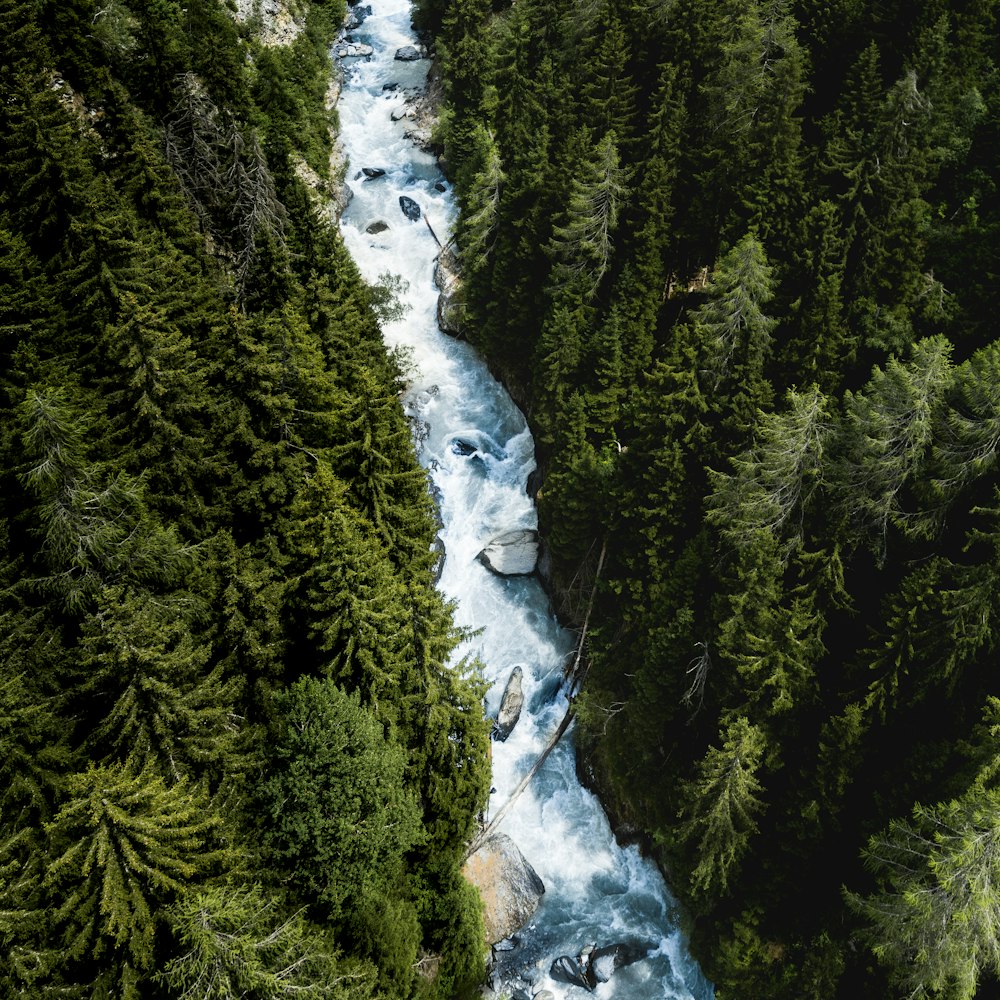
x=509, y=887
x=409, y=207
x=514, y=553
x=567, y=970
x=463, y=448
x=510, y=707
x=378, y=226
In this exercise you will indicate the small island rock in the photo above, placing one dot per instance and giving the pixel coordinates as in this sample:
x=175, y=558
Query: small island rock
x=409, y=207
x=514, y=553
x=510, y=706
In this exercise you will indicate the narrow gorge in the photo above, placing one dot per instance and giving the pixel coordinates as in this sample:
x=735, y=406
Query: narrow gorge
x=479, y=452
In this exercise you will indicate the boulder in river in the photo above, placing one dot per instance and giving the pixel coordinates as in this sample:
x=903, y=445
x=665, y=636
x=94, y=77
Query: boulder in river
x=408, y=53
x=514, y=553
x=410, y=208
x=451, y=302
x=605, y=962
x=567, y=970
x=510, y=706
x=378, y=226
x=372, y=173
x=348, y=50
x=508, y=886
x=356, y=16
x=463, y=448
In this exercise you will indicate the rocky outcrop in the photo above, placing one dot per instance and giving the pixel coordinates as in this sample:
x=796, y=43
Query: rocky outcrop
x=451, y=303
x=281, y=21
x=514, y=553
x=421, y=110
x=508, y=886
x=356, y=16
x=510, y=706
x=595, y=965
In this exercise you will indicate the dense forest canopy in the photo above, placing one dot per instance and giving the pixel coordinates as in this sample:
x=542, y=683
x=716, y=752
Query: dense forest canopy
x=233, y=761
x=738, y=261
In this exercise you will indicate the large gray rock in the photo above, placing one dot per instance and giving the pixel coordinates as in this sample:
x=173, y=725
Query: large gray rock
x=512, y=554
x=409, y=53
x=510, y=706
x=451, y=303
x=508, y=886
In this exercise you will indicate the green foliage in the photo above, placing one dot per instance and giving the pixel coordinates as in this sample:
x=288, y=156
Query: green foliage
x=936, y=924
x=722, y=802
x=122, y=845
x=337, y=815
x=237, y=942
x=757, y=350
x=203, y=460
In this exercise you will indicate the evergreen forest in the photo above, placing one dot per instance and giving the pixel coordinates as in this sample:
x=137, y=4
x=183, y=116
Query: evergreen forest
x=233, y=763
x=738, y=262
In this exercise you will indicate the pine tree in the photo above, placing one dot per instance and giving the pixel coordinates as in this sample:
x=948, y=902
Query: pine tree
x=378, y=461
x=887, y=436
x=352, y=605
x=936, y=922
x=236, y=941
x=821, y=349
x=336, y=813
x=96, y=530
x=771, y=634
x=734, y=338
x=773, y=482
x=721, y=804
x=481, y=203
x=756, y=176
x=151, y=684
x=582, y=245
x=122, y=844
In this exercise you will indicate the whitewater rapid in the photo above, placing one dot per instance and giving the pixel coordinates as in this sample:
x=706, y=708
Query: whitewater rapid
x=596, y=891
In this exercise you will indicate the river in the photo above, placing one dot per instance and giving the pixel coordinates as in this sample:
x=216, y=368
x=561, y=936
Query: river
x=479, y=452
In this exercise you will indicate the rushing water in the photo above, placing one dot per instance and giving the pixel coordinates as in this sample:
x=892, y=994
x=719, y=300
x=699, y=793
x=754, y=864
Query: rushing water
x=596, y=891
